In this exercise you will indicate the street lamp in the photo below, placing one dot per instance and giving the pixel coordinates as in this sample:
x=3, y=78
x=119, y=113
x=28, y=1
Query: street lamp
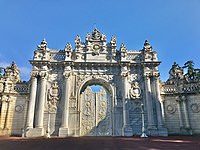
x=143, y=127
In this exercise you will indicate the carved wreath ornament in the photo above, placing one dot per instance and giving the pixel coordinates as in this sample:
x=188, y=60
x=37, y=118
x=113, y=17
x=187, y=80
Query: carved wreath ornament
x=54, y=94
x=135, y=91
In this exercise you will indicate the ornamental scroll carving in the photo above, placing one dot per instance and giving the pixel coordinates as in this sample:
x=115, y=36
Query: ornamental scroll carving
x=195, y=108
x=54, y=96
x=171, y=109
x=135, y=91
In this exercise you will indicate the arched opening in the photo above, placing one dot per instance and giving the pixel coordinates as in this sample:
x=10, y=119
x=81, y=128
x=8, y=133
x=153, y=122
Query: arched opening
x=95, y=109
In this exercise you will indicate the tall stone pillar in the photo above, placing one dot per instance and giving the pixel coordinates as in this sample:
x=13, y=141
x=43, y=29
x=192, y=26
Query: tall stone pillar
x=150, y=117
x=179, y=111
x=63, y=130
x=162, y=102
x=127, y=130
x=31, y=105
x=3, y=111
x=187, y=123
x=7, y=118
x=42, y=96
x=158, y=103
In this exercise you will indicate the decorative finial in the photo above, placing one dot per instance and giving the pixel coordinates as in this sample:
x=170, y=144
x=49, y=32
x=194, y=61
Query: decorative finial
x=123, y=47
x=147, y=45
x=96, y=34
x=113, y=40
x=43, y=45
x=68, y=47
x=78, y=40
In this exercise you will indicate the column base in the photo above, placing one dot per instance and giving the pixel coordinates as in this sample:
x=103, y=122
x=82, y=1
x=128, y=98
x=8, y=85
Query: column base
x=186, y=131
x=151, y=127
x=34, y=132
x=63, y=132
x=157, y=132
x=127, y=131
x=5, y=131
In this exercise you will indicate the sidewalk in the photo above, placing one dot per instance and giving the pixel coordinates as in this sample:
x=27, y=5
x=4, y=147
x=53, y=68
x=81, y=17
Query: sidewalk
x=101, y=143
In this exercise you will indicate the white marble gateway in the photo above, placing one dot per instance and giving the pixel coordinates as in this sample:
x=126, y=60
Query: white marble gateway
x=58, y=99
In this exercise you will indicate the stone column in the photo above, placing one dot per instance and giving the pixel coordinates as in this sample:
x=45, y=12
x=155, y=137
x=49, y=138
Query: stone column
x=158, y=103
x=7, y=117
x=150, y=117
x=163, y=111
x=3, y=111
x=127, y=130
x=42, y=96
x=187, y=124
x=63, y=130
x=179, y=112
x=31, y=105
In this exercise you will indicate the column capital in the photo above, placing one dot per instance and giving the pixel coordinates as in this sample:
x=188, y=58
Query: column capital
x=152, y=74
x=34, y=74
x=155, y=74
x=147, y=74
x=177, y=98
x=124, y=74
x=183, y=98
x=66, y=75
x=43, y=75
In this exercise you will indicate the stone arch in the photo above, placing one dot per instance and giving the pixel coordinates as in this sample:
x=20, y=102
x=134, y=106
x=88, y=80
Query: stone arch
x=97, y=81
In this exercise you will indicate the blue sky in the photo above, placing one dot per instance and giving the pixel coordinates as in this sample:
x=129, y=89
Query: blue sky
x=172, y=27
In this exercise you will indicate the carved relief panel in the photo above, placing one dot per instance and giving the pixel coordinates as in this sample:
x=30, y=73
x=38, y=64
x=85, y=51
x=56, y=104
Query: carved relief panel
x=95, y=113
x=53, y=97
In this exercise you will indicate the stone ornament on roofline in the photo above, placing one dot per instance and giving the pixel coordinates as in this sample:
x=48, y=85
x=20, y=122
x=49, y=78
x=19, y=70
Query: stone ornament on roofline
x=147, y=46
x=43, y=45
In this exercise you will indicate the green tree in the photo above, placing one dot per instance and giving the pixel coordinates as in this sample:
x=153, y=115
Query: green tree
x=192, y=73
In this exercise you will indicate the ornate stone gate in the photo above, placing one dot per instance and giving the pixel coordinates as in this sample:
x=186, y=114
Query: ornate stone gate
x=61, y=103
x=95, y=118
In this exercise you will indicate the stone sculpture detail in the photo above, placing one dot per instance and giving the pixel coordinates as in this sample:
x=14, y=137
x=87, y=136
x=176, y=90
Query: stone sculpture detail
x=135, y=91
x=54, y=95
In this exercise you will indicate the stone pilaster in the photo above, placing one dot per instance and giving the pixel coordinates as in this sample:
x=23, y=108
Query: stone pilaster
x=63, y=130
x=162, y=102
x=158, y=103
x=185, y=110
x=179, y=112
x=7, y=117
x=31, y=105
x=150, y=117
x=127, y=130
x=4, y=108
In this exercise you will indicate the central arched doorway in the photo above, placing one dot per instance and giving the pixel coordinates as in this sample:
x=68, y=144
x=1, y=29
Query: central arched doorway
x=95, y=111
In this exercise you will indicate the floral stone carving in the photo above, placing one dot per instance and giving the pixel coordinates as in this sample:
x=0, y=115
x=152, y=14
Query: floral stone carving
x=135, y=91
x=54, y=95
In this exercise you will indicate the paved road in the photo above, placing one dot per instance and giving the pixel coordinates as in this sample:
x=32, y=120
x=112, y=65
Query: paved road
x=101, y=143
